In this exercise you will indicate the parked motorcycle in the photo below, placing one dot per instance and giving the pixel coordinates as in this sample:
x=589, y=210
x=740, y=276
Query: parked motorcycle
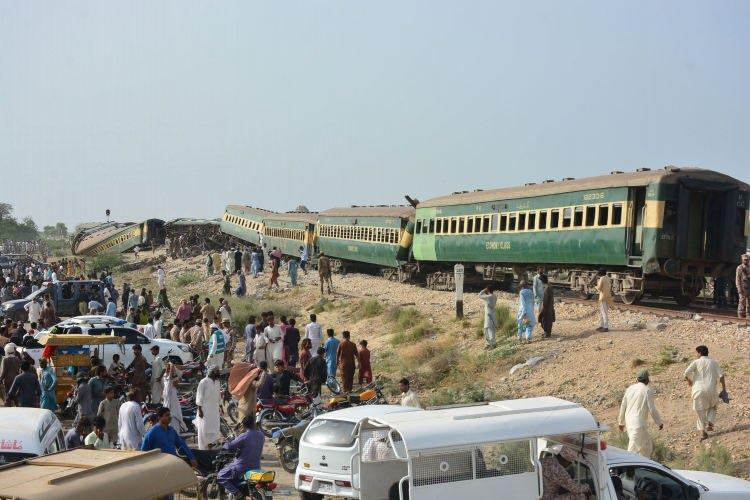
x=287, y=444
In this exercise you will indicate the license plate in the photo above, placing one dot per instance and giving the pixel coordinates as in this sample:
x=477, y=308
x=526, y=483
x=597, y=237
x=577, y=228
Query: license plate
x=325, y=487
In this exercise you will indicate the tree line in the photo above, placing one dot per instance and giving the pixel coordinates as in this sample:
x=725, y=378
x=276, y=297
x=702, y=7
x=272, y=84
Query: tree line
x=26, y=229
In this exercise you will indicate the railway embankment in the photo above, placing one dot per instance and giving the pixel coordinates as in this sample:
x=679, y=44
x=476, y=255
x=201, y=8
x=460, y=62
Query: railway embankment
x=413, y=332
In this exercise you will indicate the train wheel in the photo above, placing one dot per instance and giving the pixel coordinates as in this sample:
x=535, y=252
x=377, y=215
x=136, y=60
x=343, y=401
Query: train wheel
x=630, y=298
x=683, y=300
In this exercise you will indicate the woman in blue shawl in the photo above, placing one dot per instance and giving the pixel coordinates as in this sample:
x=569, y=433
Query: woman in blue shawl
x=525, y=318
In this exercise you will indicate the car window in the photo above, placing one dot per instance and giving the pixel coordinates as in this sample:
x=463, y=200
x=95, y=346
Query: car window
x=647, y=483
x=131, y=336
x=326, y=432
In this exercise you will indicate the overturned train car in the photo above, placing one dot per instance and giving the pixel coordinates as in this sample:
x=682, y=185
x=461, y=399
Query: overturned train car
x=118, y=237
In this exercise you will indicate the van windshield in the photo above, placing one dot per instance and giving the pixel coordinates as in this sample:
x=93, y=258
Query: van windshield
x=325, y=432
x=9, y=458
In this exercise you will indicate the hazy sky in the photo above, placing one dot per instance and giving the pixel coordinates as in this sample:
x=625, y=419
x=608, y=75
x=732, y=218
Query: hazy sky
x=176, y=108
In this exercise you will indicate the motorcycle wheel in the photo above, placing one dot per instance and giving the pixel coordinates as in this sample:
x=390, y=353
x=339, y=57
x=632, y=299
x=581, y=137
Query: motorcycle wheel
x=289, y=455
x=210, y=488
x=333, y=386
x=257, y=495
x=232, y=412
x=265, y=417
x=225, y=429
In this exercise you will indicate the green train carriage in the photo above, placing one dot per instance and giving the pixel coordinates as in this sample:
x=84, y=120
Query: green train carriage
x=657, y=232
x=244, y=223
x=290, y=231
x=366, y=238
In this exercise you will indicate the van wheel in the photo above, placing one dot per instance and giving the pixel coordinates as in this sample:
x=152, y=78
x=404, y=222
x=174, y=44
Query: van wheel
x=306, y=495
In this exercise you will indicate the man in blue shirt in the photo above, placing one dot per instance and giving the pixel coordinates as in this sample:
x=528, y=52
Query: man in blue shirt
x=164, y=437
x=111, y=308
x=248, y=448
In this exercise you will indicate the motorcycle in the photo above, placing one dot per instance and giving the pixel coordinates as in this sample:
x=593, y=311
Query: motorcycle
x=284, y=413
x=257, y=484
x=287, y=444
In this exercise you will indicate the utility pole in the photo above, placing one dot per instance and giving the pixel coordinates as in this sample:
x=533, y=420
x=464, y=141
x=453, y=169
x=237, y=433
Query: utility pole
x=458, y=275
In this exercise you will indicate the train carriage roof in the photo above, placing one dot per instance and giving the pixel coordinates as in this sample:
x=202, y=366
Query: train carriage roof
x=251, y=210
x=404, y=212
x=185, y=221
x=309, y=217
x=668, y=175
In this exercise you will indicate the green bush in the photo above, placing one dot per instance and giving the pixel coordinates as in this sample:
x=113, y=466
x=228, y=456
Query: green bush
x=419, y=332
x=370, y=308
x=186, y=279
x=243, y=307
x=715, y=458
x=403, y=318
x=105, y=260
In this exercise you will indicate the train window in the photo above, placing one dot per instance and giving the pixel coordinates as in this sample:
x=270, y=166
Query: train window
x=461, y=225
x=454, y=225
x=554, y=219
x=543, y=219
x=493, y=223
x=522, y=221
x=616, y=214
x=486, y=224
x=590, y=215
x=512, y=222
x=532, y=221
x=432, y=226
x=439, y=226
x=578, y=216
x=470, y=224
x=567, y=215
x=504, y=222
x=603, y=218
x=419, y=227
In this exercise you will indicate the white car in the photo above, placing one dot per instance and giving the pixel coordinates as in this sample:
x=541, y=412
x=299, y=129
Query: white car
x=105, y=325
x=327, y=448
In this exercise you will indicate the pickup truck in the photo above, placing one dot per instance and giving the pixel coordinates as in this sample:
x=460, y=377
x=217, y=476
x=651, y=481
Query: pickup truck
x=65, y=296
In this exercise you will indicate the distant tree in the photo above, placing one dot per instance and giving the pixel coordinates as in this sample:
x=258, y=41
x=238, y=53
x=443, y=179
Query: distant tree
x=6, y=209
x=49, y=231
x=61, y=230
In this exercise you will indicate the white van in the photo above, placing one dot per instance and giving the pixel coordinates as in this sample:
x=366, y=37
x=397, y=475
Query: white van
x=328, y=448
x=28, y=432
x=495, y=450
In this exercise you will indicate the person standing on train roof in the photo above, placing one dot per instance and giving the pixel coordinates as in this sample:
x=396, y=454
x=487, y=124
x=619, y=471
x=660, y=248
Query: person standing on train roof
x=490, y=319
x=525, y=317
x=742, y=281
x=538, y=288
x=604, y=287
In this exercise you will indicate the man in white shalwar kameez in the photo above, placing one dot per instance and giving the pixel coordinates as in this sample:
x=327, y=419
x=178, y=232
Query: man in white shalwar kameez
x=490, y=320
x=261, y=348
x=702, y=375
x=274, y=341
x=157, y=373
x=636, y=406
x=171, y=399
x=208, y=399
x=314, y=332
x=130, y=429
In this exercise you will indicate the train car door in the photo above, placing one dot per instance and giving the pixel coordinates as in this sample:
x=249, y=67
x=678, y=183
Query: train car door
x=639, y=212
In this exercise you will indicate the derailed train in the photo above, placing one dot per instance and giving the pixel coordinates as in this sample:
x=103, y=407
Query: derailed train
x=117, y=237
x=658, y=233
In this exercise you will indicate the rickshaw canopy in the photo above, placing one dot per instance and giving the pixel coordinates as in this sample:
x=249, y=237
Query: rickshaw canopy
x=74, y=340
x=89, y=473
x=498, y=421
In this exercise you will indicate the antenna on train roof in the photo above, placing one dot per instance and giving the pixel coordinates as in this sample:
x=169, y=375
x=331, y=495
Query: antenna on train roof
x=412, y=201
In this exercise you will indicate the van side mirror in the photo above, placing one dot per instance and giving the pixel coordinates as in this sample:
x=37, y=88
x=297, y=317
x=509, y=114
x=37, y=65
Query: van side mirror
x=693, y=493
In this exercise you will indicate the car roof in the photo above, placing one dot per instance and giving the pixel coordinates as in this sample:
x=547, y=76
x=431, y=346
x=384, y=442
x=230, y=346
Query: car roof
x=25, y=425
x=616, y=456
x=357, y=413
x=492, y=422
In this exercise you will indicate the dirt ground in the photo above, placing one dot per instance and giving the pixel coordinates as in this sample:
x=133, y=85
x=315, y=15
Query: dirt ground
x=579, y=363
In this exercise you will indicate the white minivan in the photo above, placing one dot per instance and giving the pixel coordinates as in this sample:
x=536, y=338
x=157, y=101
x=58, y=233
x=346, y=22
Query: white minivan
x=328, y=448
x=497, y=450
x=27, y=433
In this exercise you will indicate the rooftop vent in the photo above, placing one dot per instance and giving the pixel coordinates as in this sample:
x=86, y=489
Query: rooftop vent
x=643, y=169
x=547, y=181
x=615, y=172
x=569, y=178
x=672, y=168
x=478, y=190
x=530, y=184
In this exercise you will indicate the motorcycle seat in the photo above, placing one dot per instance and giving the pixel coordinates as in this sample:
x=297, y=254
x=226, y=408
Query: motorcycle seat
x=260, y=476
x=286, y=408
